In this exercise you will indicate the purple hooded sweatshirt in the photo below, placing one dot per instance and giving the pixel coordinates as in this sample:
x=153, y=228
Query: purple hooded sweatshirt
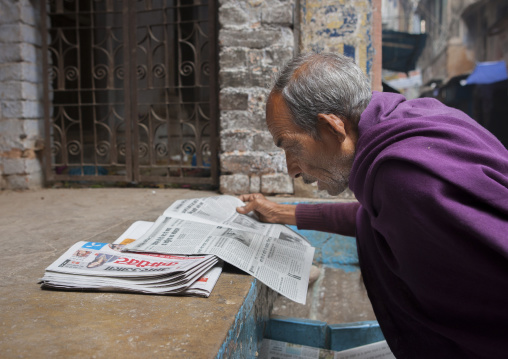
x=431, y=228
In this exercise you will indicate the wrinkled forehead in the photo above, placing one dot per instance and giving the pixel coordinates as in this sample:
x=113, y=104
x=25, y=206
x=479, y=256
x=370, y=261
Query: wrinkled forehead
x=277, y=113
x=280, y=124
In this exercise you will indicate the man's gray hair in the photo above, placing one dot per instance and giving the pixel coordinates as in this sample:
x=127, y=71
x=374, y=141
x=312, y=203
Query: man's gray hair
x=325, y=83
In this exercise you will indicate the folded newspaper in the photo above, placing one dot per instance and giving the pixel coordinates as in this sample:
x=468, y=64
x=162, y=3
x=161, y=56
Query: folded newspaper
x=102, y=266
x=193, y=233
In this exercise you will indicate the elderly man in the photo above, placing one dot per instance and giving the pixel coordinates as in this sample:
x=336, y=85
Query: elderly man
x=431, y=220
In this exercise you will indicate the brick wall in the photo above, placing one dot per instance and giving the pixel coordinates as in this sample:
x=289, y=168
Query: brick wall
x=21, y=110
x=255, y=40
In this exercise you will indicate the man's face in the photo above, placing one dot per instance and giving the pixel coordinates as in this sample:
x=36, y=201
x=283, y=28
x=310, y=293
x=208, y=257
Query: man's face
x=327, y=160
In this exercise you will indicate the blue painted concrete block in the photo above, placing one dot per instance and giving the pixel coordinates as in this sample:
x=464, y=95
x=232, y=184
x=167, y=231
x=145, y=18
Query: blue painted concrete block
x=317, y=334
x=350, y=335
x=307, y=332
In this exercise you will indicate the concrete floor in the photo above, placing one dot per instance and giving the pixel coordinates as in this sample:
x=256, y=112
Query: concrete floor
x=38, y=226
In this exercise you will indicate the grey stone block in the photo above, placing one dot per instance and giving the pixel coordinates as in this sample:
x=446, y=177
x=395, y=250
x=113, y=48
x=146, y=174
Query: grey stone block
x=276, y=183
x=232, y=100
x=10, y=12
x=245, y=78
x=26, y=11
x=268, y=61
x=256, y=39
x=232, y=58
x=233, y=15
x=21, y=71
x=281, y=14
x=255, y=184
x=263, y=141
x=33, y=132
x=13, y=33
x=13, y=134
x=278, y=56
x=22, y=109
x=234, y=184
x=237, y=140
x=27, y=181
x=251, y=162
x=20, y=134
x=257, y=100
x=19, y=52
x=236, y=120
x=255, y=57
x=30, y=13
x=234, y=78
x=20, y=90
x=19, y=166
x=263, y=76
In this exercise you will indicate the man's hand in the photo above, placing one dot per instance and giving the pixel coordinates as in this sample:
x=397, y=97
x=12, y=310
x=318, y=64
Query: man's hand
x=267, y=211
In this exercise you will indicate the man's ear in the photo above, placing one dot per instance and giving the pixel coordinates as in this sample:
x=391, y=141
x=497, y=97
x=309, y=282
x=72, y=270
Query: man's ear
x=334, y=125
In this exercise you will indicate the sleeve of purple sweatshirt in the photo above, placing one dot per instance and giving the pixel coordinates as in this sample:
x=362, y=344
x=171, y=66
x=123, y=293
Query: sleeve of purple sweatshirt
x=337, y=218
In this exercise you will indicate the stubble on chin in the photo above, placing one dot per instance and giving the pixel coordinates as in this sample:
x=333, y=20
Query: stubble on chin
x=308, y=179
x=338, y=188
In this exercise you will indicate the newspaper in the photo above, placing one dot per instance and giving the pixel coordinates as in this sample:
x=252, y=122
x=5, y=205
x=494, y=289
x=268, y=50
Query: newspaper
x=221, y=210
x=272, y=349
x=201, y=288
x=102, y=266
x=274, y=254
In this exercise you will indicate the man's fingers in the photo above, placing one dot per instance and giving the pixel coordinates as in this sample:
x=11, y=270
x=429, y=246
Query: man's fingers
x=245, y=197
x=250, y=197
x=249, y=206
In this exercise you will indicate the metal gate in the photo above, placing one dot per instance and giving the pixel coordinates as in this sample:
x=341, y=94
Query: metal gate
x=131, y=91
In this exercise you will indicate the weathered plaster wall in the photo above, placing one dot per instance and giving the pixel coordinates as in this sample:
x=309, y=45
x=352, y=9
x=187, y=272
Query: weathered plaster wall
x=21, y=110
x=342, y=26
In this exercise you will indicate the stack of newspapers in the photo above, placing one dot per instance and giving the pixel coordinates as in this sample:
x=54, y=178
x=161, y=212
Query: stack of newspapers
x=103, y=266
x=182, y=253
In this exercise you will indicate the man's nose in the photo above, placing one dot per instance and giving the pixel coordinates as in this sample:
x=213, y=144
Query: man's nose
x=293, y=169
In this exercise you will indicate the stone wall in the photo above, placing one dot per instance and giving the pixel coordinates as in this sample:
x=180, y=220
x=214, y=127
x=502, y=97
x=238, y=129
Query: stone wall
x=255, y=40
x=21, y=109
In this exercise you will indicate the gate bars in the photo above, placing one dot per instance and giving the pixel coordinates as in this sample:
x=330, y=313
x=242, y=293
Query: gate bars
x=131, y=90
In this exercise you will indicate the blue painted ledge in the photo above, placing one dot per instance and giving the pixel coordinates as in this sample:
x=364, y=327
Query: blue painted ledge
x=319, y=334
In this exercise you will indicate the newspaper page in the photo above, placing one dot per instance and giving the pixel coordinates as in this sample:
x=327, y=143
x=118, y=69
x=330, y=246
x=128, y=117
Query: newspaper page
x=202, y=287
x=281, y=263
x=272, y=349
x=222, y=210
